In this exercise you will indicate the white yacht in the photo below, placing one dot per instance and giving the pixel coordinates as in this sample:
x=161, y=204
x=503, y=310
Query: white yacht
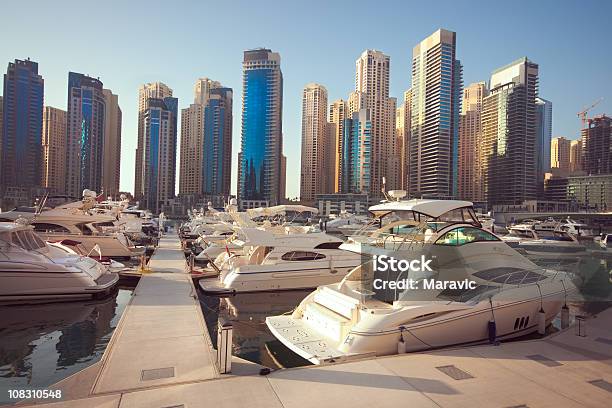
x=577, y=229
x=497, y=293
x=31, y=271
x=271, y=261
x=544, y=243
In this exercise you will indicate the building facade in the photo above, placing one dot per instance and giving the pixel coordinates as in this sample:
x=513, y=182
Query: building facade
x=357, y=149
x=575, y=156
x=54, y=149
x=206, y=142
x=470, y=186
x=596, y=145
x=372, y=92
x=157, y=90
x=262, y=137
x=314, y=174
x=338, y=112
x=436, y=104
x=112, y=145
x=21, y=144
x=402, y=134
x=84, y=135
x=158, y=170
x=509, y=126
x=560, y=156
x=543, y=140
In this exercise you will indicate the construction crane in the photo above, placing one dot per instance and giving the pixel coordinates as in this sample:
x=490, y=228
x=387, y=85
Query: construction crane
x=583, y=114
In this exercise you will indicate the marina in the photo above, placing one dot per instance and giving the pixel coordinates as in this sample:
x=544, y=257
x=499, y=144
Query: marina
x=161, y=348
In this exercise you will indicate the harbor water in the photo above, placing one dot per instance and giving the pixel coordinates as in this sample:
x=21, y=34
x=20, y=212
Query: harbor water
x=43, y=344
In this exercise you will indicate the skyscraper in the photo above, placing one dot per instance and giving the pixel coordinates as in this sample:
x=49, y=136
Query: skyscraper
x=313, y=178
x=402, y=129
x=157, y=90
x=509, y=126
x=54, y=149
x=262, y=137
x=575, y=156
x=159, y=152
x=544, y=136
x=112, y=145
x=21, y=146
x=85, y=134
x=597, y=146
x=338, y=112
x=206, y=141
x=357, y=149
x=560, y=156
x=372, y=92
x=436, y=102
x=470, y=185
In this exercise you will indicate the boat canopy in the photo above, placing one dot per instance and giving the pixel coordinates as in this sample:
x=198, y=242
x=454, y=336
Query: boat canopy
x=431, y=208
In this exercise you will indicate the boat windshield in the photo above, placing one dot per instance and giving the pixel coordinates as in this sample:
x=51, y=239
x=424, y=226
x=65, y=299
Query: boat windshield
x=27, y=240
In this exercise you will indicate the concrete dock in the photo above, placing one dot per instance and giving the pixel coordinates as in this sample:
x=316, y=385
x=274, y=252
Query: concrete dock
x=161, y=356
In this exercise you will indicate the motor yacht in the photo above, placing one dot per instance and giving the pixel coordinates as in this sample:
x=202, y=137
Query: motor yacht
x=31, y=271
x=544, y=243
x=271, y=261
x=577, y=229
x=509, y=295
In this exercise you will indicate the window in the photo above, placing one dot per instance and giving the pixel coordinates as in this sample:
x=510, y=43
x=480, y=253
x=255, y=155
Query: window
x=465, y=235
x=329, y=245
x=302, y=256
x=45, y=227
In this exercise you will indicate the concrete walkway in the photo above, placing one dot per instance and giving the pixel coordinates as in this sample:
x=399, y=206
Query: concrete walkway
x=161, y=338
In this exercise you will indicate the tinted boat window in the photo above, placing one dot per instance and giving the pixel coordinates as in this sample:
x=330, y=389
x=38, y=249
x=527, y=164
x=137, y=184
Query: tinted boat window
x=46, y=227
x=302, y=256
x=465, y=235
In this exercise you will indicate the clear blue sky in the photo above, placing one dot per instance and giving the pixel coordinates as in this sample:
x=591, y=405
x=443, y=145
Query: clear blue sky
x=127, y=43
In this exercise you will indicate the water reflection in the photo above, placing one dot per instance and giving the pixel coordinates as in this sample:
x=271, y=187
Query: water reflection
x=43, y=344
x=248, y=312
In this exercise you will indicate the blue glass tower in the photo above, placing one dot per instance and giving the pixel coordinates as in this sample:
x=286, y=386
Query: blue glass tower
x=262, y=143
x=217, y=149
x=21, y=144
x=357, y=153
x=85, y=134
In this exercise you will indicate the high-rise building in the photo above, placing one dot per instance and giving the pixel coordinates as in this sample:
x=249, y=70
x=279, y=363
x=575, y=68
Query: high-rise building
x=85, y=134
x=470, y=186
x=372, y=92
x=544, y=137
x=436, y=102
x=206, y=141
x=54, y=149
x=1, y=132
x=157, y=90
x=509, y=126
x=262, y=137
x=21, y=145
x=402, y=131
x=338, y=112
x=357, y=149
x=314, y=174
x=112, y=145
x=159, y=152
x=596, y=146
x=560, y=156
x=575, y=156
